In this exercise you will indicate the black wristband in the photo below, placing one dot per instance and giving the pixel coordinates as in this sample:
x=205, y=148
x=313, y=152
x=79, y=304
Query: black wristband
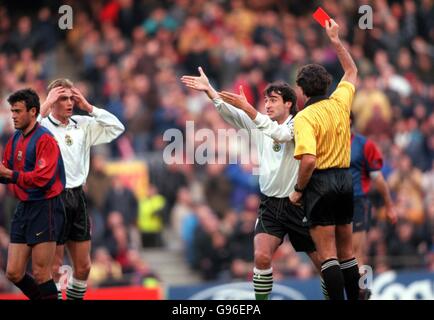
x=297, y=189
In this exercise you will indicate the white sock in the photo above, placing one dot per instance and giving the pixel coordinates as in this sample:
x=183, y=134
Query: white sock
x=76, y=289
x=59, y=291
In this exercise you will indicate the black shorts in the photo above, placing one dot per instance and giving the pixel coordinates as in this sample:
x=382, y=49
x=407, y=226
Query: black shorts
x=38, y=221
x=362, y=214
x=278, y=217
x=77, y=220
x=328, y=197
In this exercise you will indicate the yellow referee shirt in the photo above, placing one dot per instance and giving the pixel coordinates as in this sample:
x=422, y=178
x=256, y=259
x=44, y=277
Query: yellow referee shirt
x=322, y=128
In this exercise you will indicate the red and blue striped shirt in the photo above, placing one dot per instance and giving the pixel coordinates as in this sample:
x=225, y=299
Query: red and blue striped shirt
x=37, y=165
x=365, y=158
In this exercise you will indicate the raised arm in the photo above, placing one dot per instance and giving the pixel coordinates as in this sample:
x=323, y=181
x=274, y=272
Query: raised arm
x=102, y=127
x=280, y=133
x=229, y=113
x=52, y=97
x=200, y=83
x=347, y=62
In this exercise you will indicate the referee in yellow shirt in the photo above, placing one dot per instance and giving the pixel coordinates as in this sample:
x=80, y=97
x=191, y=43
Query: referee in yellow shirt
x=324, y=184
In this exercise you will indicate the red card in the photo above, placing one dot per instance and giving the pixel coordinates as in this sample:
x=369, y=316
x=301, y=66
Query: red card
x=321, y=16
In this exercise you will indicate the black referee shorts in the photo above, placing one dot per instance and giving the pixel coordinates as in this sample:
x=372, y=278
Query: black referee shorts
x=328, y=198
x=278, y=217
x=77, y=227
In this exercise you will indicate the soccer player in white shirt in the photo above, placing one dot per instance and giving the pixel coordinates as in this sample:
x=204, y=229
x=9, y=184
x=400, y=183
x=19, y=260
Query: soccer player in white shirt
x=278, y=174
x=76, y=135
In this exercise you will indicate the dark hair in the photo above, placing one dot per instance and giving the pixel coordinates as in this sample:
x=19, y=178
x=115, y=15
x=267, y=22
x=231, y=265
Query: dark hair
x=285, y=91
x=314, y=80
x=28, y=96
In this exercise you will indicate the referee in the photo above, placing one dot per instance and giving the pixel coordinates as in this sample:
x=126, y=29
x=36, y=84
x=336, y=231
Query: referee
x=324, y=184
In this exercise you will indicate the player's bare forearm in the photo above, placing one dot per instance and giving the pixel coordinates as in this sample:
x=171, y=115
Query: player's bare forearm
x=383, y=189
x=211, y=93
x=249, y=110
x=307, y=166
x=45, y=109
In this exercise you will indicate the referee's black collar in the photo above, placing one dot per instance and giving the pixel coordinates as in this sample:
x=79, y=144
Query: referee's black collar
x=314, y=99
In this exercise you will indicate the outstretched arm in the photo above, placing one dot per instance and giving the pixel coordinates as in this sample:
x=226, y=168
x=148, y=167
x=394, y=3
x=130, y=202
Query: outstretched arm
x=347, y=62
x=280, y=133
x=229, y=113
x=239, y=101
x=200, y=83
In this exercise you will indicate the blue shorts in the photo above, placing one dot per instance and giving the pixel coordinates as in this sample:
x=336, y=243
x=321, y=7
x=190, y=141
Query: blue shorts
x=362, y=214
x=38, y=221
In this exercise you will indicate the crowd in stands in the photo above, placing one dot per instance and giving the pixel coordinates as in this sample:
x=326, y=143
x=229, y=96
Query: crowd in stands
x=127, y=56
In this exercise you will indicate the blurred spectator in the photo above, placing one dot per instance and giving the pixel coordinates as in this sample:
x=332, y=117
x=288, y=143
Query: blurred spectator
x=104, y=269
x=149, y=220
x=121, y=199
x=218, y=189
x=406, y=183
x=98, y=182
x=211, y=252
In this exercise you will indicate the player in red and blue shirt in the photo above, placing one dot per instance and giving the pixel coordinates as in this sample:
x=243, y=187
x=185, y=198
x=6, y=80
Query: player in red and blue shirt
x=366, y=165
x=36, y=164
x=33, y=167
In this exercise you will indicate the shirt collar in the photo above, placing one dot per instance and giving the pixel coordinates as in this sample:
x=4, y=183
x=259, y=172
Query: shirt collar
x=31, y=131
x=288, y=119
x=314, y=99
x=57, y=123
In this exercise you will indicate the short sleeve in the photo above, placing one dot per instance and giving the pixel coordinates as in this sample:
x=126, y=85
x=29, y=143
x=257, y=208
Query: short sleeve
x=305, y=139
x=373, y=157
x=344, y=94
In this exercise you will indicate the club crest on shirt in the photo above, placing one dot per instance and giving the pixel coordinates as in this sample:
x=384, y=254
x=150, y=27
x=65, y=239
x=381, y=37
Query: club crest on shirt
x=68, y=140
x=276, y=146
x=20, y=155
x=41, y=163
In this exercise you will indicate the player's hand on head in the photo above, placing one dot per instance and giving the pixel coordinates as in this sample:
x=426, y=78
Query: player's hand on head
x=54, y=95
x=200, y=83
x=80, y=100
x=332, y=29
